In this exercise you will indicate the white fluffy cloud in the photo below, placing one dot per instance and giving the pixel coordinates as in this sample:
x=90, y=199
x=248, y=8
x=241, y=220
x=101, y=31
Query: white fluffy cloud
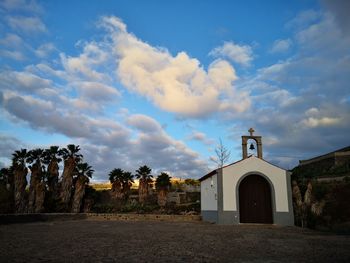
x=325, y=121
x=176, y=84
x=241, y=54
x=87, y=63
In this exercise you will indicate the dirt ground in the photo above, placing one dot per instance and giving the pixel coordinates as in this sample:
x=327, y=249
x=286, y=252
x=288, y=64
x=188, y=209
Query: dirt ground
x=148, y=241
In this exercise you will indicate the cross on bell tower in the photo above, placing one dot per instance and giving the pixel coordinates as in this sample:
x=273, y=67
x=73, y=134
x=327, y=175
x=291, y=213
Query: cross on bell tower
x=257, y=139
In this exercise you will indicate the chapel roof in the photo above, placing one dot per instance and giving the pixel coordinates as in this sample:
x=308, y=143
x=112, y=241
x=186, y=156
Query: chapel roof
x=210, y=174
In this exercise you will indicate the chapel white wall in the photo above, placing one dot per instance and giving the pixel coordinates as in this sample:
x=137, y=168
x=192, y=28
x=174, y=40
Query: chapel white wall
x=209, y=194
x=232, y=174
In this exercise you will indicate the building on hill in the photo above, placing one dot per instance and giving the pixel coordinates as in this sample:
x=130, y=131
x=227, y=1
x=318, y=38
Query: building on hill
x=250, y=190
x=330, y=163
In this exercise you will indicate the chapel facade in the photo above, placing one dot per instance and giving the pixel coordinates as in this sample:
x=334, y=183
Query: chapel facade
x=250, y=190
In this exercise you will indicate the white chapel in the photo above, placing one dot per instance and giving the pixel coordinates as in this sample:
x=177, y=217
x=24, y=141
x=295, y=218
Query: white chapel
x=250, y=190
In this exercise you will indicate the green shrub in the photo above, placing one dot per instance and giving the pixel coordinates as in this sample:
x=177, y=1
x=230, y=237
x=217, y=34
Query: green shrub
x=135, y=207
x=103, y=208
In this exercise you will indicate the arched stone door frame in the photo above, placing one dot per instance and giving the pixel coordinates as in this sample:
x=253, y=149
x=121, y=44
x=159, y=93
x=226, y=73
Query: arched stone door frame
x=272, y=189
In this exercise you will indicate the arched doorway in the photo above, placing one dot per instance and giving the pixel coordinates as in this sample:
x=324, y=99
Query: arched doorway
x=255, y=200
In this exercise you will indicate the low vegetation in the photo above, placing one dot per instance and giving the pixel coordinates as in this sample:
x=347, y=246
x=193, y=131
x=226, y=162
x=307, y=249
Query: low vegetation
x=322, y=204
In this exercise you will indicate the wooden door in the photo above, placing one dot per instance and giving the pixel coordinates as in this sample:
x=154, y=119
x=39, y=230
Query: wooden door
x=255, y=200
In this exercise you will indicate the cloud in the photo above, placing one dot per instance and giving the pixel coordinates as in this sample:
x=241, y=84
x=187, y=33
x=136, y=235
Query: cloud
x=176, y=84
x=340, y=10
x=26, y=24
x=299, y=105
x=107, y=143
x=47, y=70
x=87, y=63
x=144, y=123
x=240, y=54
x=24, y=81
x=11, y=40
x=200, y=136
x=21, y=5
x=96, y=91
x=325, y=121
x=112, y=23
x=8, y=144
x=13, y=47
x=281, y=45
x=42, y=114
x=320, y=38
x=304, y=19
x=15, y=55
x=300, y=102
x=44, y=50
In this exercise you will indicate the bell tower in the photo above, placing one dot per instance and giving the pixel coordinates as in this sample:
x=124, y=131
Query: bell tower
x=257, y=139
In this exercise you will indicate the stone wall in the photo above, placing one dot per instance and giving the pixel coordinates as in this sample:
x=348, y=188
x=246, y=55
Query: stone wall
x=28, y=218
x=143, y=217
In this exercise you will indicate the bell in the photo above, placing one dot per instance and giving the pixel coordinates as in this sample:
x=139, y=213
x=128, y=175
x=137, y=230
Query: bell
x=252, y=147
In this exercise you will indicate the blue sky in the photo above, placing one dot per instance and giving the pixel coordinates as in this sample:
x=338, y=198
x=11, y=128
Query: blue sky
x=159, y=82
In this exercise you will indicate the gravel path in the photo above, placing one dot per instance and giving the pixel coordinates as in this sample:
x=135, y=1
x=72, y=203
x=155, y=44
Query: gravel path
x=148, y=241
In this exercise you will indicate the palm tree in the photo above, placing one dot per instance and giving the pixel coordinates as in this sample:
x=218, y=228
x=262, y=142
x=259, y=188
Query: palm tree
x=116, y=179
x=20, y=181
x=71, y=158
x=145, y=180
x=52, y=159
x=127, y=180
x=37, y=187
x=83, y=172
x=163, y=185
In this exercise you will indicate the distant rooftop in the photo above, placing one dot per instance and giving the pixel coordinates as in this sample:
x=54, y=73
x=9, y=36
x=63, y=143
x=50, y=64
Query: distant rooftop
x=342, y=151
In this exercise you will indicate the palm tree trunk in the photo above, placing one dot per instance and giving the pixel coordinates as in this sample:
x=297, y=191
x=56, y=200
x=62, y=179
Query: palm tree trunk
x=78, y=194
x=126, y=190
x=162, y=197
x=34, y=181
x=67, y=181
x=117, y=192
x=39, y=197
x=53, y=178
x=20, y=174
x=143, y=190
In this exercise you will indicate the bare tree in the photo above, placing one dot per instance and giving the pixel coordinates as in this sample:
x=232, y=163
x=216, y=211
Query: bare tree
x=222, y=154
